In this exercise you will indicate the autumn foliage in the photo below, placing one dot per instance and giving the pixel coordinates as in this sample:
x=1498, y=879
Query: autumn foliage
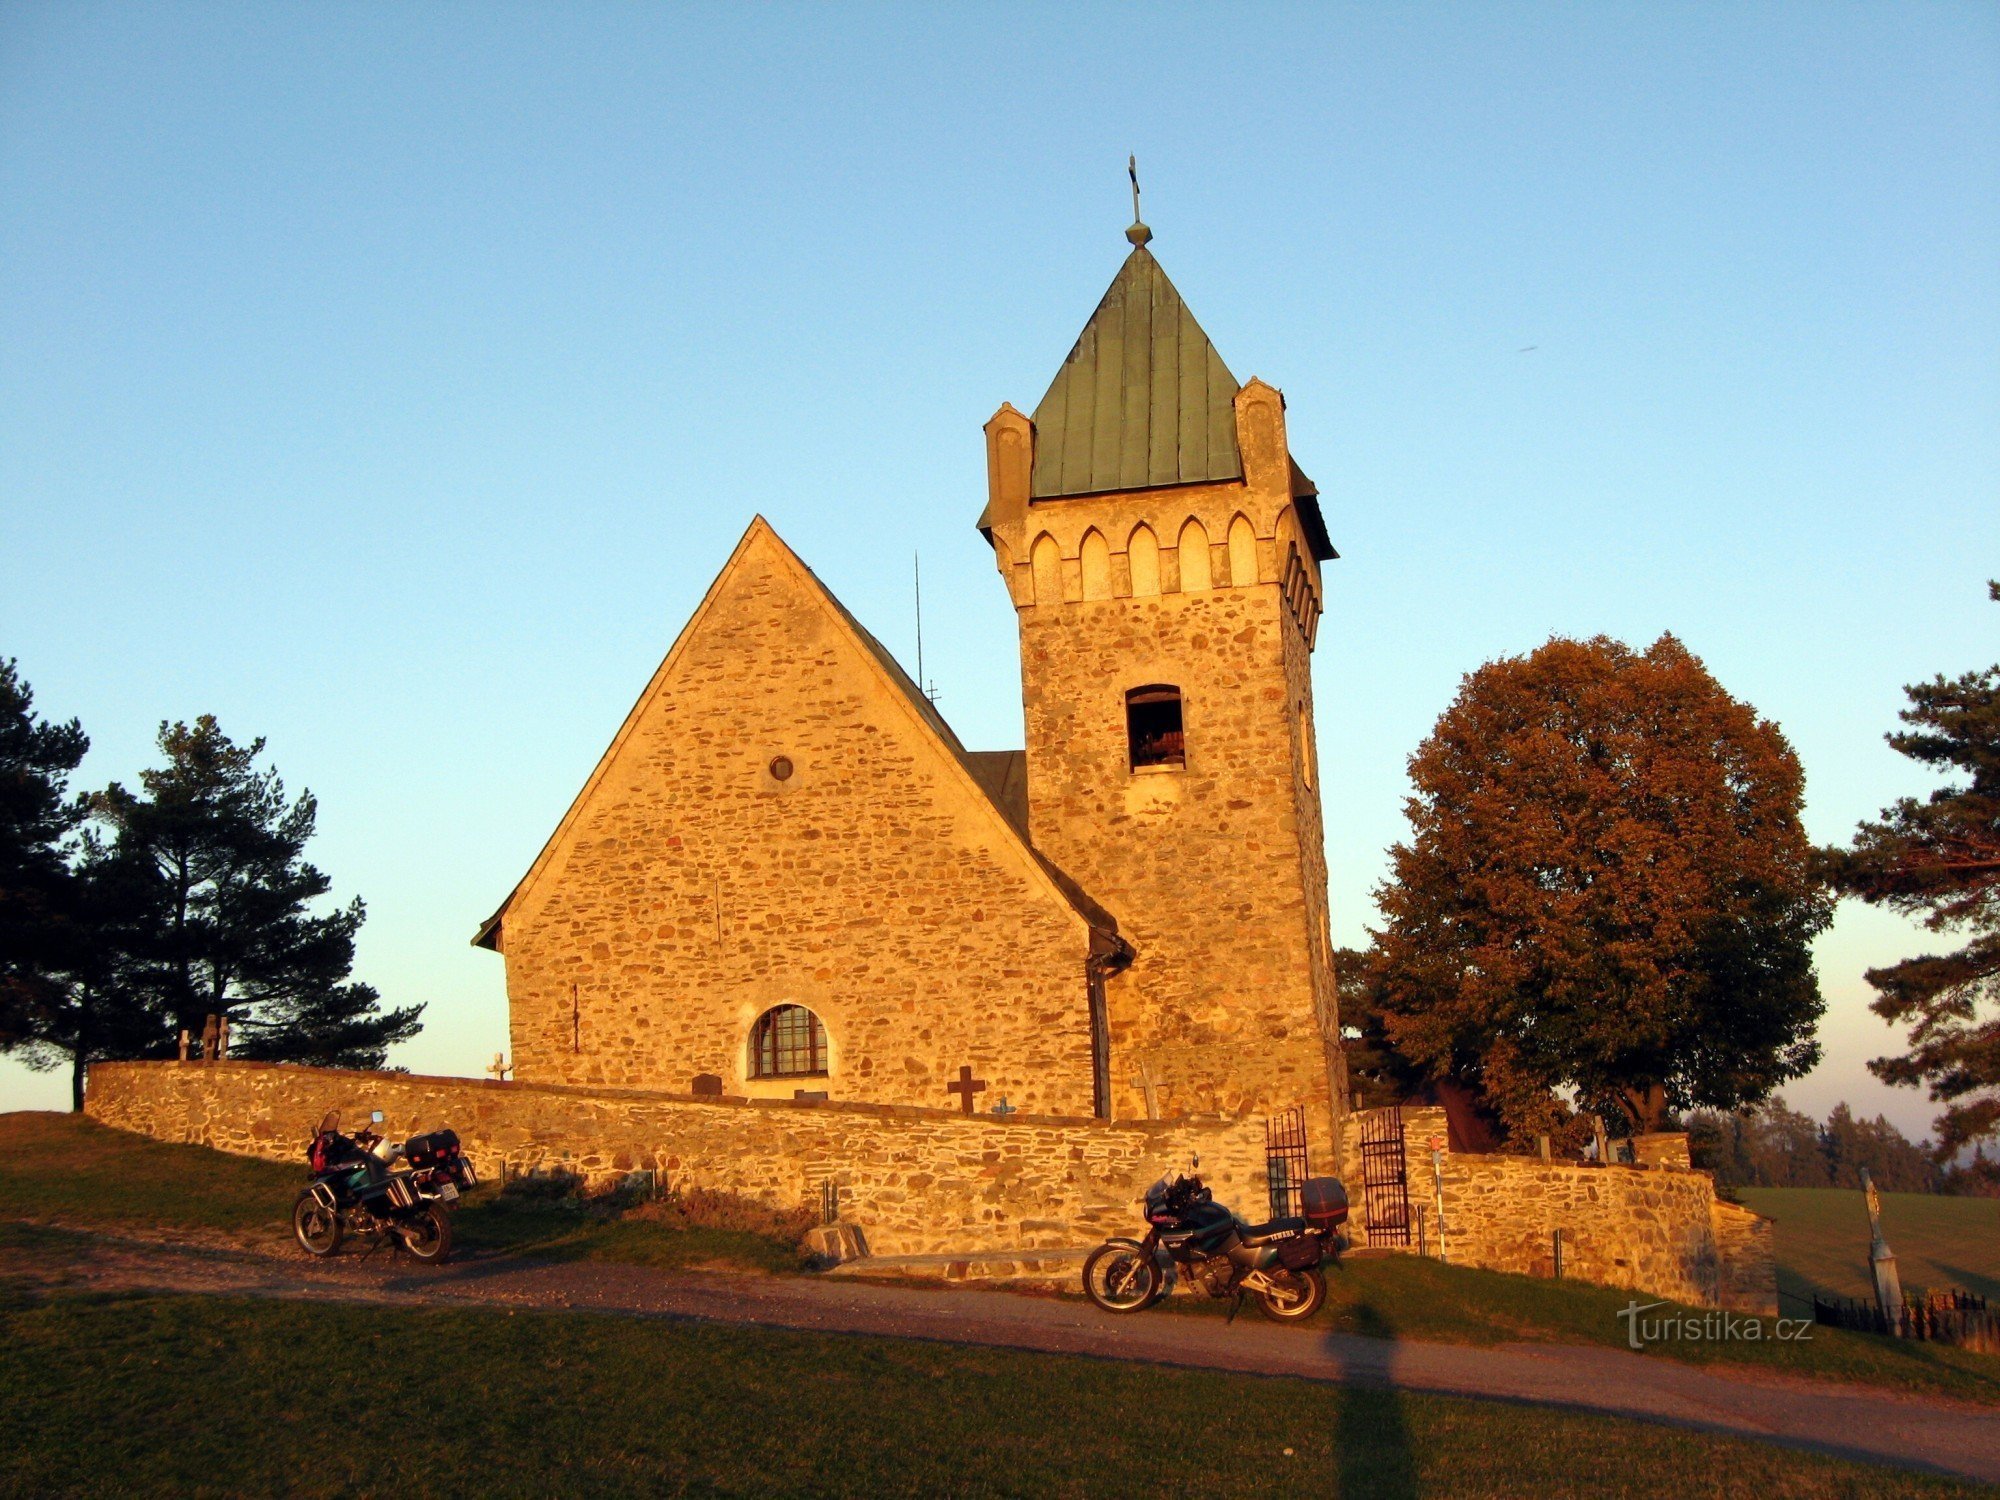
x=1607, y=892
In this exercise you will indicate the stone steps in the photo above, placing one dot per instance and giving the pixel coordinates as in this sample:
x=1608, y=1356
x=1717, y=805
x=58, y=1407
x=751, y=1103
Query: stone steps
x=1055, y=1267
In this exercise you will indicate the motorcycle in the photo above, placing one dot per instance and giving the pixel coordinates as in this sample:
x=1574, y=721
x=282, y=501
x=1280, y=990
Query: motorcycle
x=1191, y=1234
x=398, y=1192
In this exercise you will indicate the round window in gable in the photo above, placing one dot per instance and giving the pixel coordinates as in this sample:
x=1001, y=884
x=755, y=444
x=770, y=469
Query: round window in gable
x=781, y=768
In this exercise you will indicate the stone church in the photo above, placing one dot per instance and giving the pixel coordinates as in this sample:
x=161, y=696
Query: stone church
x=787, y=878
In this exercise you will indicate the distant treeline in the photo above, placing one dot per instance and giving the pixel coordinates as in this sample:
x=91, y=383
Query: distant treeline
x=1776, y=1146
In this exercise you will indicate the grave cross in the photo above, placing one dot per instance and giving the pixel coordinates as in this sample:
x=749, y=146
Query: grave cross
x=1148, y=1085
x=965, y=1088
x=1003, y=1108
x=499, y=1068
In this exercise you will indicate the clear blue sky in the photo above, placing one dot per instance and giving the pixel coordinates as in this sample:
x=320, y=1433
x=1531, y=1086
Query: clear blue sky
x=391, y=381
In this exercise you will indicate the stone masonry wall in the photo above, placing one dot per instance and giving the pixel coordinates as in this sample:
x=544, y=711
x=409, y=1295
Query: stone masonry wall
x=1746, y=1257
x=692, y=889
x=915, y=1181
x=1215, y=869
x=1657, y=1228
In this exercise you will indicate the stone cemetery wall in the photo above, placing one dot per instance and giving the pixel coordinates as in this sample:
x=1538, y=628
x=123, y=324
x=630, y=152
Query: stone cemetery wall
x=1656, y=1227
x=1746, y=1257
x=913, y=1180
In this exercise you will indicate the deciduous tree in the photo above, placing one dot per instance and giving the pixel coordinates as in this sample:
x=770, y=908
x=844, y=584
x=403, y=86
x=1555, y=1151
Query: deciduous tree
x=1938, y=859
x=1607, y=892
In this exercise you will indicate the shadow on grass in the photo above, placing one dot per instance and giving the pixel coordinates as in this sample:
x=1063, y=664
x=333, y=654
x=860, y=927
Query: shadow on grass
x=1373, y=1452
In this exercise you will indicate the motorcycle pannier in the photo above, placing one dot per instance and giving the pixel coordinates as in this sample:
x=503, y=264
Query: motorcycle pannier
x=1300, y=1253
x=1324, y=1202
x=428, y=1150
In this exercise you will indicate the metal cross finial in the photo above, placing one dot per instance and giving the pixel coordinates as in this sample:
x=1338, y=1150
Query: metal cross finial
x=1138, y=234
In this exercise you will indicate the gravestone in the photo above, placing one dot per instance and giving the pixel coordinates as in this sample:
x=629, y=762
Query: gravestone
x=707, y=1086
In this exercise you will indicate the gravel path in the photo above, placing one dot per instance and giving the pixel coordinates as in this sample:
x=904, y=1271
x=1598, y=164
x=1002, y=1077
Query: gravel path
x=1918, y=1432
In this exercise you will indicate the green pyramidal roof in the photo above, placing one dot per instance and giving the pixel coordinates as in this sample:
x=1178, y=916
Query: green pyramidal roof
x=1142, y=400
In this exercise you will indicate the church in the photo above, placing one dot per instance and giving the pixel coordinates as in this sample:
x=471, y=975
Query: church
x=786, y=878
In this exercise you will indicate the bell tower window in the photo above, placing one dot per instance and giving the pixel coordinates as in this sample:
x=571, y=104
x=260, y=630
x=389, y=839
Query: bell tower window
x=1153, y=727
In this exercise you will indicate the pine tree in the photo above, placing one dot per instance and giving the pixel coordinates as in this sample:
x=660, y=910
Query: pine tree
x=1608, y=891
x=233, y=932
x=38, y=823
x=1939, y=859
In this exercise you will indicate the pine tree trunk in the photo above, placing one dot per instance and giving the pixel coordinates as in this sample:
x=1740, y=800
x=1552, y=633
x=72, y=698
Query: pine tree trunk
x=76, y=1083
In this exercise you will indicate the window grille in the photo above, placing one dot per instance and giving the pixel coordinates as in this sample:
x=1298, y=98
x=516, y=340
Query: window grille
x=788, y=1041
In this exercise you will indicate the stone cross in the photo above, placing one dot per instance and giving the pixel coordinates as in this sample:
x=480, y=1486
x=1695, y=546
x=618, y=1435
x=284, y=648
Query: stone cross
x=1882, y=1261
x=499, y=1068
x=1148, y=1085
x=1003, y=1108
x=210, y=1030
x=965, y=1088
x=222, y=1035
x=184, y=1044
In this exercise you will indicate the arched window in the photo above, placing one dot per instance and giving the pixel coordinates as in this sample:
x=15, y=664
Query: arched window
x=1242, y=554
x=1095, y=556
x=1143, y=553
x=788, y=1041
x=1153, y=726
x=1193, y=551
x=1045, y=562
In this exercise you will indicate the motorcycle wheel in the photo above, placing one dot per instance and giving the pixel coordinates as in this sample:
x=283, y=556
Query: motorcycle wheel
x=1301, y=1294
x=316, y=1226
x=1121, y=1278
x=427, y=1235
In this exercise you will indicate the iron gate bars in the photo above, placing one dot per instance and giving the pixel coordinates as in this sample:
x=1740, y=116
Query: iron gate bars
x=1285, y=1161
x=1385, y=1190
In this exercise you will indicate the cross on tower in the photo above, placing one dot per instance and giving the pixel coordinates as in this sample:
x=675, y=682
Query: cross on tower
x=965, y=1088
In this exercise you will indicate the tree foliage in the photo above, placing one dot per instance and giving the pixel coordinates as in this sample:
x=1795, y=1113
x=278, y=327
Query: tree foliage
x=66, y=906
x=1607, y=892
x=38, y=820
x=1774, y=1146
x=233, y=930
x=1938, y=859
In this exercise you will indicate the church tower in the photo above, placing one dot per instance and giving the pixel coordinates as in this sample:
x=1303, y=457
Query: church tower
x=1163, y=554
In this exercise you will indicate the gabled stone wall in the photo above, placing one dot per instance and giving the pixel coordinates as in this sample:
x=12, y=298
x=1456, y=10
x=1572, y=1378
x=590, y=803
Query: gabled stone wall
x=777, y=824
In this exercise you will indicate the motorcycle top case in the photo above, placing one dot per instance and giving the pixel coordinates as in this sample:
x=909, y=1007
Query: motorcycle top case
x=424, y=1150
x=1324, y=1202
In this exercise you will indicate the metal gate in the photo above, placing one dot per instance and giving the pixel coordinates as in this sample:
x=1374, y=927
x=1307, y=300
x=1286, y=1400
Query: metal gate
x=1385, y=1187
x=1285, y=1161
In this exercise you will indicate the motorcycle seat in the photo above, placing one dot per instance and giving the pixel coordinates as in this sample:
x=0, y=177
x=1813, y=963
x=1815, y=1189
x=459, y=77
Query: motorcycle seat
x=1257, y=1234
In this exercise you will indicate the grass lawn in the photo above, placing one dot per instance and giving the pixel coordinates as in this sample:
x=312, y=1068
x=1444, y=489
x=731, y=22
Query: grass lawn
x=173, y=1395
x=1823, y=1241
x=69, y=1169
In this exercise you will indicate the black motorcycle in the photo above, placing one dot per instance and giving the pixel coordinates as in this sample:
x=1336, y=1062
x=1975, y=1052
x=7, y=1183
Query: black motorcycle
x=1277, y=1263
x=393, y=1192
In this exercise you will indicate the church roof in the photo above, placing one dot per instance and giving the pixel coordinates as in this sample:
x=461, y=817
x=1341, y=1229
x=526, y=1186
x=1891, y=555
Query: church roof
x=1143, y=399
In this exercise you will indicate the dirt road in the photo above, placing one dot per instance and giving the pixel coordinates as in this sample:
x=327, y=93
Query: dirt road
x=1927, y=1433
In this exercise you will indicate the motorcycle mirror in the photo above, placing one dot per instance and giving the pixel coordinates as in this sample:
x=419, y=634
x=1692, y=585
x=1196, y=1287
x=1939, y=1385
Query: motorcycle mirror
x=375, y=1118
